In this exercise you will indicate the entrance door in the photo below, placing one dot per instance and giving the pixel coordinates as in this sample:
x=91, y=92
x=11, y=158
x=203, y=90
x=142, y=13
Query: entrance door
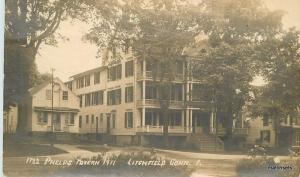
x=200, y=122
x=56, y=122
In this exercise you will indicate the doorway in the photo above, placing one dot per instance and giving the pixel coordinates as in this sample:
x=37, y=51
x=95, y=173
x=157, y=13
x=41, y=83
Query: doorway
x=201, y=122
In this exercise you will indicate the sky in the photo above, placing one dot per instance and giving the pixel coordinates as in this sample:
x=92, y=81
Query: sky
x=75, y=56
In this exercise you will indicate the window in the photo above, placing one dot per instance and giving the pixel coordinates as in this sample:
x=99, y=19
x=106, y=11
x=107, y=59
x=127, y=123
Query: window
x=112, y=73
x=97, y=78
x=42, y=117
x=176, y=93
x=151, y=92
x=129, y=68
x=80, y=121
x=265, y=120
x=80, y=100
x=119, y=72
x=115, y=72
x=87, y=80
x=48, y=94
x=65, y=95
x=97, y=98
x=92, y=119
x=151, y=118
x=101, y=117
x=129, y=94
x=113, y=120
x=265, y=136
x=114, y=97
x=87, y=119
x=80, y=82
x=87, y=99
x=175, y=118
x=67, y=115
x=72, y=119
x=128, y=120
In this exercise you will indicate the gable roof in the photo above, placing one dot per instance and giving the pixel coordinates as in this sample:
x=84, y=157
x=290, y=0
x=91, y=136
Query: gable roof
x=101, y=68
x=37, y=88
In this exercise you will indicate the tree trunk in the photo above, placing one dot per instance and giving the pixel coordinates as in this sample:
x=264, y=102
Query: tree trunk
x=229, y=121
x=164, y=114
x=19, y=62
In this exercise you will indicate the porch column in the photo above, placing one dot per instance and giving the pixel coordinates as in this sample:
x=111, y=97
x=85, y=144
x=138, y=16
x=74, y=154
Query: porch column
x=211, y=123
x=144, y=83
x=187, y=91
x=183, y=92
x=182, y=118
x=191, y=90
x=157, y=119
x=242, y=119
x=191, y=118
x=144, y=68
x=144, y=92
x=187, y=116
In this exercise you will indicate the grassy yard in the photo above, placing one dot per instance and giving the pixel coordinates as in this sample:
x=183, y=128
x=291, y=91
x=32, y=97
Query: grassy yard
x=28, y=149
x=94, y=148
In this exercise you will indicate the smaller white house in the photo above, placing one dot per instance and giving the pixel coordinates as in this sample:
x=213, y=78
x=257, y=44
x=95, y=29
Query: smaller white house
x=57, y=112
x=10, y=119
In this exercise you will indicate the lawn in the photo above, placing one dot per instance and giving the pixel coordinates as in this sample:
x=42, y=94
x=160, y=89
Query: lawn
x=94, y=148
x=28, y=149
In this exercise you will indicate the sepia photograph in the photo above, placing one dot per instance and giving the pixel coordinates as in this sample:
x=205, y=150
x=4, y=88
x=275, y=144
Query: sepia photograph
x=151, y=88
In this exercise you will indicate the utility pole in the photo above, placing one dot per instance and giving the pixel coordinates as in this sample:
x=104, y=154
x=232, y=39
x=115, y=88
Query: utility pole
x=52, y=112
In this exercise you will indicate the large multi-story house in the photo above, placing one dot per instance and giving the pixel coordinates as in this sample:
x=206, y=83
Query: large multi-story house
x=120, y=100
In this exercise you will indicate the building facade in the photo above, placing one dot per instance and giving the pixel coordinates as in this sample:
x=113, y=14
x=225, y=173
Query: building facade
x=47, y=112
x=121, y=100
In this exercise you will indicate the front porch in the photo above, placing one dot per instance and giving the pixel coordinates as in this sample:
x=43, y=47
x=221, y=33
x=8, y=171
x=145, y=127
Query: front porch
x=46, y=119
x=183, y=122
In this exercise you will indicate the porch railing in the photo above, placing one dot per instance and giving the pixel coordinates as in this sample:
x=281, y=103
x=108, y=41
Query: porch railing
x=149, y=75
x=150, y=129
x=156, y=103
x=160, y=129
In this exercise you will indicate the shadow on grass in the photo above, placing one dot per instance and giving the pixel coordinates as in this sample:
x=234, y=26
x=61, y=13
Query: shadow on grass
x=26, y=149
x=94, y=148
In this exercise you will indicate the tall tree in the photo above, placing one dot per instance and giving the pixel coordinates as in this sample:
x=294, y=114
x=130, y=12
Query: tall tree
x=234, y=29
x=280, y=65
x=28, y=24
